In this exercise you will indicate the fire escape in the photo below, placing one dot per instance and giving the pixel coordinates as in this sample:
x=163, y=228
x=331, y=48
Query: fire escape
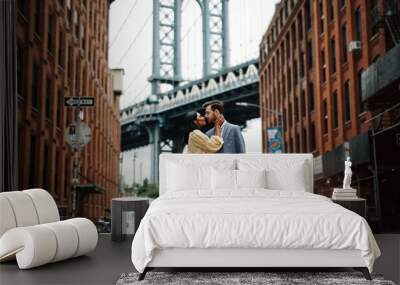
x=381, y=92
x=387, y=15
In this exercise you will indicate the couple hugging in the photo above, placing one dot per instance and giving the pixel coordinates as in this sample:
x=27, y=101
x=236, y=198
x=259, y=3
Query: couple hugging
x=224, y=137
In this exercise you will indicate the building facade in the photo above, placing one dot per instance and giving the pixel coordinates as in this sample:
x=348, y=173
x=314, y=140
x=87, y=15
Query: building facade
x=62, y=51
x=312, y=60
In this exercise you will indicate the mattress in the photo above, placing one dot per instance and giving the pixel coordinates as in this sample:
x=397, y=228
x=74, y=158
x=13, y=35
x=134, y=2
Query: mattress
x=253, y=219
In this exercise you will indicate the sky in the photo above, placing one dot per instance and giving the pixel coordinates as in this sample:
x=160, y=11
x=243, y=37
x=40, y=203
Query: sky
x=130, y=48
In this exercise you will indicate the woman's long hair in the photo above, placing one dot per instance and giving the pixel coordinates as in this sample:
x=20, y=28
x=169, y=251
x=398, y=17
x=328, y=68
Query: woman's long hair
x=190, y=125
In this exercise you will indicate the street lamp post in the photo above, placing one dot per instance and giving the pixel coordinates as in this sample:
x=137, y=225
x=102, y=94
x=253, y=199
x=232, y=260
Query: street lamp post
x=279, y=114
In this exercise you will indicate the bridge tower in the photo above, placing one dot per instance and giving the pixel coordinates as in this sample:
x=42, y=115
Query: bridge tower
x=166, y=69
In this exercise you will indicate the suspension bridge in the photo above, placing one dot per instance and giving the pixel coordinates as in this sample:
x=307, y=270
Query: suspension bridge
x=157, y=121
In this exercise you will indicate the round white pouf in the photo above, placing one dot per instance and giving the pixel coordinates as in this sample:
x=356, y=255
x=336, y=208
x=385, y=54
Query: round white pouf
x=87, y=235
x=33, y=246
x=67, y=239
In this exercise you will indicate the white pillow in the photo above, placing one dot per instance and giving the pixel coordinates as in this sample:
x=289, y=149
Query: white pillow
x=182, y=177
x=223, y=179
x=282, y=174
x=251, y=178
x=287, y=178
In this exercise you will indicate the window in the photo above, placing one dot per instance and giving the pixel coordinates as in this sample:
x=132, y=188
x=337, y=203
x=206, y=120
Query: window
x=38, y=17
x=22, y=7
x=50, y=33
x=331, y=11
x=311, y=96
x=61, y=49
x=20, y=68
x=46, y=176
x=289, y=79
x=325, y=116
x=60, y=100
x=32, y=162
x=309, y=55
x=303, y=103
x=323, y=65
x=346, y=95
x=67, y=171
x=69, y=11
x=375, y=20
x=296, y=109
x=70, y=62
x=286, y=10
x=300, y=25
x=295, y=77
x=35, y=85
x=287, y=46
x=304, y=141
x=357, y=24
x=359, y=90
x=57, y=171
x=48, y=98
x=294, y=40
x=342, y=3
x=344, y=43
x=335, y=110
x=313, y=143
x=308, y=16
x=77, y=78
x=301, y=64
x=333, y=55
x=321, y=15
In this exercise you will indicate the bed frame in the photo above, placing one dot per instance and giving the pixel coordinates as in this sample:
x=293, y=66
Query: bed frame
x=246, y=259
x=241, y=259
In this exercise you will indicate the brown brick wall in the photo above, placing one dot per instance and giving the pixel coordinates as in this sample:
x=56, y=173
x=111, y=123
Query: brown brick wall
x=63, y=52
x=284, y=89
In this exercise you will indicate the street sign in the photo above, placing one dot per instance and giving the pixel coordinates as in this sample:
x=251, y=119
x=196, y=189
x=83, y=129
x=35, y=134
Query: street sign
x=79, y=101
x=274, y=140
x=79, y=135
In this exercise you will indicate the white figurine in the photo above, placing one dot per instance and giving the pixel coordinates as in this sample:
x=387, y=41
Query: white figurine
x=347, y=174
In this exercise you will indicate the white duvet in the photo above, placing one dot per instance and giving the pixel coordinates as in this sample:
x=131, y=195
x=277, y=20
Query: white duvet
x=255, y=218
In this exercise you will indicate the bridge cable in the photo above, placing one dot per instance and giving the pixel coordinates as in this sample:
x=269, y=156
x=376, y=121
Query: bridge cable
x=135, y=38
x=123, y=24
x=136, y=76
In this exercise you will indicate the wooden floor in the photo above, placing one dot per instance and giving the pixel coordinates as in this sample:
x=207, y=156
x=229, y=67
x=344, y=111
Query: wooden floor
x=111, y=259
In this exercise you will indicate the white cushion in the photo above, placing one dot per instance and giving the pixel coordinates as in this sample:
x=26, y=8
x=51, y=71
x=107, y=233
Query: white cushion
x=251, y=178
x=45, y=205
x=192, y=172
x=66, y=238
x=184, y=177
x=23, y=208
x=87, y=235
x=223, y=179
x=281, y=174
x=7, y=218
x=32, y=246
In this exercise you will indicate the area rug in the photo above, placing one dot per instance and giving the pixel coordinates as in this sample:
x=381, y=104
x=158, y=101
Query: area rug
x=243, y=278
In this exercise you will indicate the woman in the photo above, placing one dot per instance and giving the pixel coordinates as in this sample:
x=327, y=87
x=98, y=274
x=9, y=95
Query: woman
x=199, y=142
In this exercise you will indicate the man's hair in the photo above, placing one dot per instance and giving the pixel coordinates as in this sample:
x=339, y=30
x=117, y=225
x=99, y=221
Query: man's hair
x=215, y=105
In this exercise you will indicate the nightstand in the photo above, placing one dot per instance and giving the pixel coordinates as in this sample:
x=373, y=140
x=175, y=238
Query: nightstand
x=126, y=214
x=358, y=206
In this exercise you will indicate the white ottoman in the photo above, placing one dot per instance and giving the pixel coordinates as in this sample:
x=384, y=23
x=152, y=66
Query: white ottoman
x=31, y=231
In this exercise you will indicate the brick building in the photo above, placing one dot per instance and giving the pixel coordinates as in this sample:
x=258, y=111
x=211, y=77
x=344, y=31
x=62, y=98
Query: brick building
x=62, y=51
x=312, y=60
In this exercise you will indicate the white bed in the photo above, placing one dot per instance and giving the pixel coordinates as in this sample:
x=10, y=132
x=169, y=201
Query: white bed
x=201, y=223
